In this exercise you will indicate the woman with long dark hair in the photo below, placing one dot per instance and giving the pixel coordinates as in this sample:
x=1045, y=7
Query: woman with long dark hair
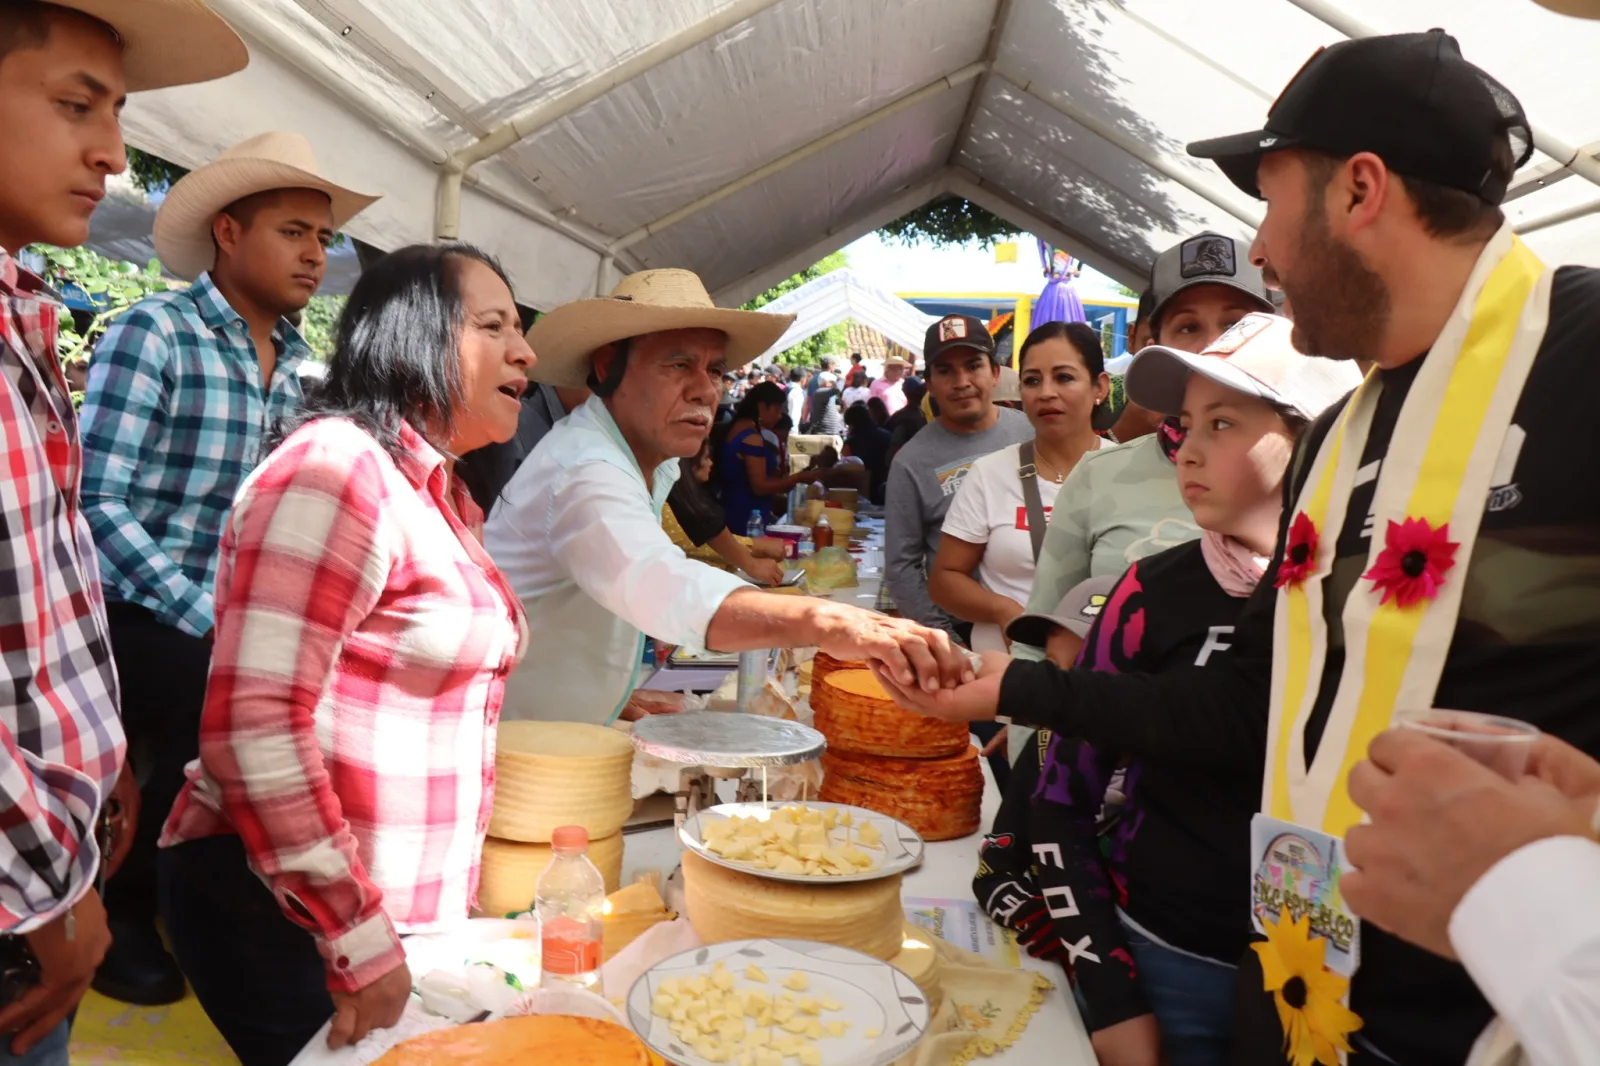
x=750, y=467
x=986, y=555
x=363, y=637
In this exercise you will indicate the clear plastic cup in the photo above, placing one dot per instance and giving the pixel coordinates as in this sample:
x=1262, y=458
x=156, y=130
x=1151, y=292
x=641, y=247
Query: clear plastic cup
x=1501, y=744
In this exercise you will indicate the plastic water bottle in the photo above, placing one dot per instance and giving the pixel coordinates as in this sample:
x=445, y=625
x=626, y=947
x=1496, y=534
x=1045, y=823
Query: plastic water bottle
x=756, y=527
x=569, y=898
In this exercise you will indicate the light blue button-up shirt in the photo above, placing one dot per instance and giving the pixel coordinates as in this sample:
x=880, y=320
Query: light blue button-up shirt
x=577, y=532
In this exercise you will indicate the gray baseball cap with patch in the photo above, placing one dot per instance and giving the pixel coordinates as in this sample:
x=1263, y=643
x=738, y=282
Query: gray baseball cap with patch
x=1206, y=259
x=1076, y=612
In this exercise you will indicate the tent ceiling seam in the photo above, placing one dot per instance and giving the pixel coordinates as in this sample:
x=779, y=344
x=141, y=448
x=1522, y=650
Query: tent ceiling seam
x=934, y=88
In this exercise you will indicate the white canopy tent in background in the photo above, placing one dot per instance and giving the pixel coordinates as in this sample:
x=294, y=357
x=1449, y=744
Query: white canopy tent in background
x=840, y=295
x=747, y=139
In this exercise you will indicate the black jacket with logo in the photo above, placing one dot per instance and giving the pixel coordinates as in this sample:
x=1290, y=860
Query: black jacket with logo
x=1526, y=645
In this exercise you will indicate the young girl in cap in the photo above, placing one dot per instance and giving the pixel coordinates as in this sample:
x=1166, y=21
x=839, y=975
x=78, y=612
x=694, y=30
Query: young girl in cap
x=1159, y=977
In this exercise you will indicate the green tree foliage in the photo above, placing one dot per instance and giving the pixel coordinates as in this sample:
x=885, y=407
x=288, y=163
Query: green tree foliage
x=948, y=220
x=320, y=322
x=830, y=341
x=111, y=283
x=152, y=173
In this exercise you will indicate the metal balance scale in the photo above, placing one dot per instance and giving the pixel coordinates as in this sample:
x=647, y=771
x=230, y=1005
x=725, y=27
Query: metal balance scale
x=712, y=746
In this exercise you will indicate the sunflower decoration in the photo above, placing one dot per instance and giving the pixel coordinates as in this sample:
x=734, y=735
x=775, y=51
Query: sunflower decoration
x=1316, y=1024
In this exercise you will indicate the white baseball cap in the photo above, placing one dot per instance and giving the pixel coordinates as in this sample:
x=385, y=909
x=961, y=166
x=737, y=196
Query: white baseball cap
x=1254, y=357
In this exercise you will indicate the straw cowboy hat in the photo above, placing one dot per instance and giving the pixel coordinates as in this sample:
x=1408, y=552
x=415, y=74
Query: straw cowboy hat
x=651, y=301
x=167, y=42
x=1583, y=9
x=262, y=163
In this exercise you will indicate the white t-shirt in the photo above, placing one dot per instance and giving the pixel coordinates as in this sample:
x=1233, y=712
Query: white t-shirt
x=989, y=510
x=859, y=394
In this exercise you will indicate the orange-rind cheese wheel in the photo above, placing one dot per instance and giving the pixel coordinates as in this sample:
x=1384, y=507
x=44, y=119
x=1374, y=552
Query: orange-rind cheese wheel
x=853, y=711
x=549, y=1038
x=940, y=798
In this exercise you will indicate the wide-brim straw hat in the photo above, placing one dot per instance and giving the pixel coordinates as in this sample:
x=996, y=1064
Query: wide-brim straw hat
x=167, y=42
x=651, y=301
x=1583, y=9
x=268, y=161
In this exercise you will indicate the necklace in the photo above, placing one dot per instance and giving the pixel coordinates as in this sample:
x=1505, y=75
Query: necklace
x=1058, y=476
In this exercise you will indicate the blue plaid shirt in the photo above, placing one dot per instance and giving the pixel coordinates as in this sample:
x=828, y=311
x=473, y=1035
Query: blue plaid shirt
x=173, y=418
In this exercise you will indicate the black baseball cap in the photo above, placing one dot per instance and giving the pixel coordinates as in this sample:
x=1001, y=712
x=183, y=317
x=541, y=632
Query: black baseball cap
x=1409, y=98
x=956, y=331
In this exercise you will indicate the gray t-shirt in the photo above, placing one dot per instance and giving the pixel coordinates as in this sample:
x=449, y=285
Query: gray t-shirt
x=922, y=481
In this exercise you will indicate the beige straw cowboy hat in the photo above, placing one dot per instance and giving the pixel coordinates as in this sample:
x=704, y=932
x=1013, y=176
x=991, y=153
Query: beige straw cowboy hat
x=167, y=42
x=1583, y=9
x=264, y=162
x=651, y=301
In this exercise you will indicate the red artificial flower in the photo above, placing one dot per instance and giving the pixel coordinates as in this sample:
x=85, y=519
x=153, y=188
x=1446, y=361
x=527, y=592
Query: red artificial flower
x=1300, y=554
x=1413, y=562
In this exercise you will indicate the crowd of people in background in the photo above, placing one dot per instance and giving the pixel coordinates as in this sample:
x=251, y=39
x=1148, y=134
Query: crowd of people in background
x=258, y=641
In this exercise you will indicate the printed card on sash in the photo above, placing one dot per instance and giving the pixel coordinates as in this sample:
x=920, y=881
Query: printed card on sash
x=1297, y=873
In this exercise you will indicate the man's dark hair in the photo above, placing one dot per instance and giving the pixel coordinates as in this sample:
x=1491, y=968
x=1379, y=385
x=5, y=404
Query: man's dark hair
x=796, y=375
x=26, y=24
x=855, y=357
x=396, y=357
x=827, y=362
x=608, y=385
x=858, y=419
x=1444, y=212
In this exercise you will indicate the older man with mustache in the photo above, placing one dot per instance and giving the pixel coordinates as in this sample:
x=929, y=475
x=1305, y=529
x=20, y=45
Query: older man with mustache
x=578, y=529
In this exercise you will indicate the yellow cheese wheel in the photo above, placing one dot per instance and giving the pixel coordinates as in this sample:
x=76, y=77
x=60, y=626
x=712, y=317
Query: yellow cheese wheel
x=628, y=913
x=510, y=872
x=918, y=960
x=856, y=715
x=940, y=798
x=726, y=905
x=552, y=1038
x=550, y=774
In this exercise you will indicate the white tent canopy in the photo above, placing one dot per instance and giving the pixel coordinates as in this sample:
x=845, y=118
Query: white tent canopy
x=840, y=295
x=746, y=139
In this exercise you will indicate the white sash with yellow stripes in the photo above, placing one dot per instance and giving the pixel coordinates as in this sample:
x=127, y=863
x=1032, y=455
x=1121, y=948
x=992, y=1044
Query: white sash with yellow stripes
x=1439, y=466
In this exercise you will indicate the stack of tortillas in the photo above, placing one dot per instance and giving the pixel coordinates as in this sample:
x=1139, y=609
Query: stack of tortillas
x=547, y=775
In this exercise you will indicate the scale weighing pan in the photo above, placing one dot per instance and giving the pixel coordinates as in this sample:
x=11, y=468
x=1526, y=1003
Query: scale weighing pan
x=726, y=740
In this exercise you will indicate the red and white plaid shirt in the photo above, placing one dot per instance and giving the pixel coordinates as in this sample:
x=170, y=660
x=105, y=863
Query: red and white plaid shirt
x=362, y=644
x=61, y=742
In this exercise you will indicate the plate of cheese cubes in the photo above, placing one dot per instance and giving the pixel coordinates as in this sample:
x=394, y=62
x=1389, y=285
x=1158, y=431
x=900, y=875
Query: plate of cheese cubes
x=777, y=1003
x=807, y=842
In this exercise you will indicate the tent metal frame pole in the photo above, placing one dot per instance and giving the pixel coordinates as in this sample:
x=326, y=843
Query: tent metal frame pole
x=1568, y=155
x=805, y=151
x=991, y=54
x=447, y=210
x=970, y=187
x=1131, y=145
x=885, y=211
x=1556, y=218
x=248, y=19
